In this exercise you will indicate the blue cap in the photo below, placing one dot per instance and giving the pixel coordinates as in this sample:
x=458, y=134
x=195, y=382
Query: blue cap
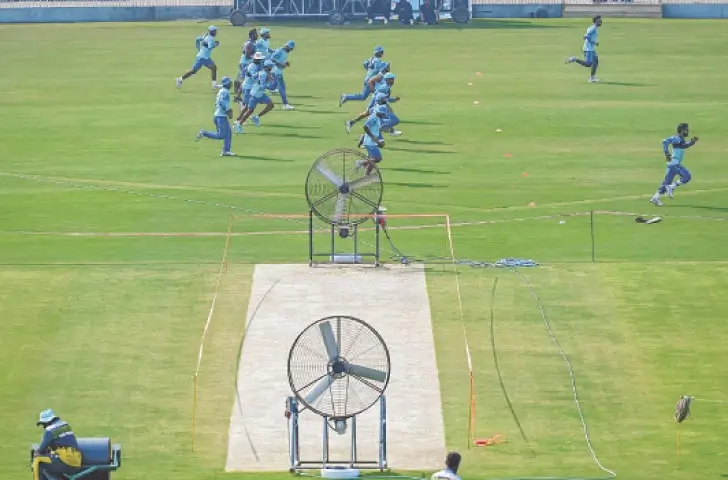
x=291, y=44
x=264, y=30
x=212, y=28
x=46, y=416
x=378, y=49
x=225, y=81
x=390, y=75
x=384, y=66
x=381, y=109
x=268, y=63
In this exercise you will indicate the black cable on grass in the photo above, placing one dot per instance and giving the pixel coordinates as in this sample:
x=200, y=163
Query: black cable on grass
x=497, y=369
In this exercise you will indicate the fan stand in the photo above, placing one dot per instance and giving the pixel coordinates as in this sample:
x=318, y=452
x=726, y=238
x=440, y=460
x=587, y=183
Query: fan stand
x=353, y=462
x=342, y=232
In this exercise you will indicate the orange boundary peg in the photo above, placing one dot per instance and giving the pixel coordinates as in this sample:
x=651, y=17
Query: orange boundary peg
x=494, y=440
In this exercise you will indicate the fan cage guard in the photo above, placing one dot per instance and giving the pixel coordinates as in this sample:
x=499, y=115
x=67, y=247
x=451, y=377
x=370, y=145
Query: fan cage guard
x=344, y=232
x=356, y=342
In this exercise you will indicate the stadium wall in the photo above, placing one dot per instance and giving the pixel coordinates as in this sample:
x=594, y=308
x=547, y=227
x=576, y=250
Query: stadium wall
x=157, y=10
x=702, y=10
x=109, y=14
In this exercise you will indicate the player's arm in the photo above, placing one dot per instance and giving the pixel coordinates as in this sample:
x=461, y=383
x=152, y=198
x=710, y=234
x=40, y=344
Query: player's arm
x=374, y=138
x=277, y=59
x=373, y=81
x=45, y=442
x=666, y=147
x=367, y=64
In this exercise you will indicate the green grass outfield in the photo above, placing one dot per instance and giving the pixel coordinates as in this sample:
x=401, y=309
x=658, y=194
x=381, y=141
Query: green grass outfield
x=106, y=330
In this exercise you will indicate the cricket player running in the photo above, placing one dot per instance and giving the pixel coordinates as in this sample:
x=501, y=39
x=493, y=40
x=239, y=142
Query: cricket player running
x=591, y=42
x=223, y=112
x=280, y=62
x=374, y=65
x=58, y=452
x=372, y=138
x=205, y=44
x=246, y=58
x=679, y=144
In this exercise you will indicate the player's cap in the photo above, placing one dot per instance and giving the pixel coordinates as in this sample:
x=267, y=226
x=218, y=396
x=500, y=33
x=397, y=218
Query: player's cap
x=225, y=81
x=390, y=76
x=268, y=63
x=384, y=66
x=291, y=44
x=212, y=28
x=264, y=30
x=381, y=110
x=46, y=416
x=378, y=49
x=258, y=56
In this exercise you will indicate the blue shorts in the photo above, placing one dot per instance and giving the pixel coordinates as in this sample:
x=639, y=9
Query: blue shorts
x=202, y=62
x=255, y=101
x=590, y=56
x=374, y=153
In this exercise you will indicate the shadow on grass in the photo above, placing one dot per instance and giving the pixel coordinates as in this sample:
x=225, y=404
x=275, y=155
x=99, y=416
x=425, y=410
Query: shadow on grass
x=422, y=142
x=416, y=185
x=417, y=170
x=294, y=127
x=308, y=97
x=707, y=207
x=420, y=150
x=320, y=111
x=418, y=122
x=264, y=159
x=627, y=84
x=289, y=135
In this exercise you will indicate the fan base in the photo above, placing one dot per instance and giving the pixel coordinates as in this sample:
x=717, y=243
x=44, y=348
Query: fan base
x=334, y=472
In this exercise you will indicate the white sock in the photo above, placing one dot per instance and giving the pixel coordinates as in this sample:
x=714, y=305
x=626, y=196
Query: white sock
x=214, y=83
x=656, y=195
x=676, y=184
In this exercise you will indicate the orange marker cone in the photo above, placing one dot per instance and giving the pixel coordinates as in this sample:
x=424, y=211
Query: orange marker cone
x=524, y=174
x=507, y=155
x=532, y=204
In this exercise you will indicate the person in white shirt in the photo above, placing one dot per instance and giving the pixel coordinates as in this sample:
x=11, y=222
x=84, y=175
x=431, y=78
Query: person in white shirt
x=452, y=463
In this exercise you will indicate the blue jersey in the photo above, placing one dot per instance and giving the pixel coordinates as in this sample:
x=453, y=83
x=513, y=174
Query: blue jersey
x=374, y=66
x=222, y=102
x=280, y=56
x=263, y=46
x=383, y=87
x=679, y=145
x=260, y=85
x=591, y=37
x=57, y=435
x=251, y=75
x=206, y=45
x=374, y=124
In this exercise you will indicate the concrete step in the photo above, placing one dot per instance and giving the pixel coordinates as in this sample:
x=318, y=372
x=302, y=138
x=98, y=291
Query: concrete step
x=613, y=10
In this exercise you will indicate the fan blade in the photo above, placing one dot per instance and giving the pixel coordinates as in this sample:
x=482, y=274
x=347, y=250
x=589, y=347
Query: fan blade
x=332, y=348
x=363, y=182
x=368, y=373
x=319, y=389
x=329, y=175
x=340, y=205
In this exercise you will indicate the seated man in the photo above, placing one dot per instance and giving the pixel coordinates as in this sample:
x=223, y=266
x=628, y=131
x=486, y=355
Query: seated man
x=428, y=14
x=452, y=463
x=403, y=9
x=58, y=451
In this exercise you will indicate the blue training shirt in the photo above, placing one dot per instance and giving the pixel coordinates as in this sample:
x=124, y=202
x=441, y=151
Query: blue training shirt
x=374, y=124
x=251, y=75
x=679, y=145
x=222, y=102
x=591, y=37
x=260, y=85
x=207, y=44
x=263, y=46
x=280, y=56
